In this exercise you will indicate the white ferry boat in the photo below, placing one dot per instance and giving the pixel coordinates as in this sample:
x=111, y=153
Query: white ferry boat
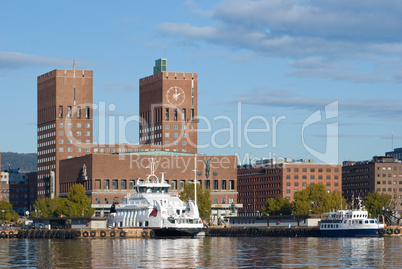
x=350, y=223
x=152, y=207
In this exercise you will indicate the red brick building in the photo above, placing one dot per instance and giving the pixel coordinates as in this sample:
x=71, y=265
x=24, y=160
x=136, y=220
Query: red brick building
x=111, y=177
x=382, y=174
x=168, y=110
x=257, y=184
x=168, y=133
x=64, y=123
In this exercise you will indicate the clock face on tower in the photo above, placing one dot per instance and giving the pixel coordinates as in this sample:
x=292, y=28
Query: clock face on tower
x=175, y=96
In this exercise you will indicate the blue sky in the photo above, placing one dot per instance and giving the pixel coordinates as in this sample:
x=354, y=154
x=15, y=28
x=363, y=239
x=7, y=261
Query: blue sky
x=262, y=65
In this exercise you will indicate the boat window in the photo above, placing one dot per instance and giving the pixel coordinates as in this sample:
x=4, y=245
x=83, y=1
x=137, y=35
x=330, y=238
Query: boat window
x=178, y=211
x=183, y=211
x=140, y=224
x=360, y=222
x=366, y=221
x=146, y=224
x=336, y=226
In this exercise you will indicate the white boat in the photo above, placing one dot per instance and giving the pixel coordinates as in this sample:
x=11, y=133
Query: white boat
x=350, y=223
x=152, y=207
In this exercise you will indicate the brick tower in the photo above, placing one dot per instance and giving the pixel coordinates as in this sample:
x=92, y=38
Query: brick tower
x=64, y=123
x=168, y=110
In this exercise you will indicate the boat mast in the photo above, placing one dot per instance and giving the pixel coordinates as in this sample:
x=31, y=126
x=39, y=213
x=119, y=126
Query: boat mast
x=195, y=179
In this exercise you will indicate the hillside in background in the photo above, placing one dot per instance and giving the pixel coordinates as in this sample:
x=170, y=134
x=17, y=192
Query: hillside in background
x=27, y=162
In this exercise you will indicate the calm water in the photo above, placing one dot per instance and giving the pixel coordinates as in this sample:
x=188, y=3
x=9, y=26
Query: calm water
x=203, y=252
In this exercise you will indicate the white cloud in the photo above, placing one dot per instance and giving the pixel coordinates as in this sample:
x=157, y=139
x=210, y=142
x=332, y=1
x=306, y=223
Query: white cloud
x=385, y=109
x=336, y=31
x=15, y=60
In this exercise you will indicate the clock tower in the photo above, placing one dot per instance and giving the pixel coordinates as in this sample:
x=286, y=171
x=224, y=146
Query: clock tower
x=168, y=110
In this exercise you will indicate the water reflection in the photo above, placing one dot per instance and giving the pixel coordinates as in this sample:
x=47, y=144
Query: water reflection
x=208, y=252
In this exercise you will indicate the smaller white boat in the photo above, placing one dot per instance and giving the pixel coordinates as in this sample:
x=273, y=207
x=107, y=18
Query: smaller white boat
x=154, y=208
x=350, y=223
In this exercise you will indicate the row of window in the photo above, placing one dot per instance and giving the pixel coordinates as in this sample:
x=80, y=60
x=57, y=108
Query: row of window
x=47, y=135
x=312, y=177
x=46, y=151
x=175, y=184
x=304, y=184
x=77, y=111
x=70, y=125
x=46, y=127
x=312, y=170
x=389, y=182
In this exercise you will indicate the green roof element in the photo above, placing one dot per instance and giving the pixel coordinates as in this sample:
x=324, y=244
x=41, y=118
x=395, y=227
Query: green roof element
x=160, y=66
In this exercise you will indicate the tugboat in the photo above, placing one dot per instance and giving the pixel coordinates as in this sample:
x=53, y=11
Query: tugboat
x=350, y=223
x=152, y=207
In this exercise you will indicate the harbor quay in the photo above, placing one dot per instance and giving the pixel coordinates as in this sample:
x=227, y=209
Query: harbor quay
x=390, y=231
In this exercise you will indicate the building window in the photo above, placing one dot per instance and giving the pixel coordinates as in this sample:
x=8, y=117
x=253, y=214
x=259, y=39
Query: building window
x=296, y=184
x=287, y=176
x=192, y=114
x=182, y=184
x=207, y=184
x=174, y=184
x=311, y=177
x=132, y=183
x=60, y=112
x=296, y=177
x=88, y=125
x=304, y=170
x=287, y=191
x=215, y=186
x=106, y=184
x=60, y=141
x=114, y=184
x=223, y=185
x=97, y=200
x=87, y=111
x=167, y=114
x=106, y=201
x=312, y=170
x=287, y=184
x=69, y=112
x=78, y=112
x=296, y=169
x=175, y=114
x=215, y=200
x=123, y=184
x=183, y=114
x=231, y=185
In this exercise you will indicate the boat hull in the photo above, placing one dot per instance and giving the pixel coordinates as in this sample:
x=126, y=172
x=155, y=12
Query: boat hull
x=175, y=232
x=350, y=233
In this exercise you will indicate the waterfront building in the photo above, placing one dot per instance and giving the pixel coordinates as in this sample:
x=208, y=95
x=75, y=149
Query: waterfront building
x=16, y=189
x=382, y=174
x=167, y=132
x=282, y=177
x=397, y=153
x=64, y=123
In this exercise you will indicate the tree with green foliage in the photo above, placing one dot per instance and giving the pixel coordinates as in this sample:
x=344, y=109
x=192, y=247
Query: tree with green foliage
x=203, y=199
x=80, y=203
x=77, y=204
x=316, y=200
x=277, y=206
x=375, y=202
x=49, y=207
x=9, y=213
